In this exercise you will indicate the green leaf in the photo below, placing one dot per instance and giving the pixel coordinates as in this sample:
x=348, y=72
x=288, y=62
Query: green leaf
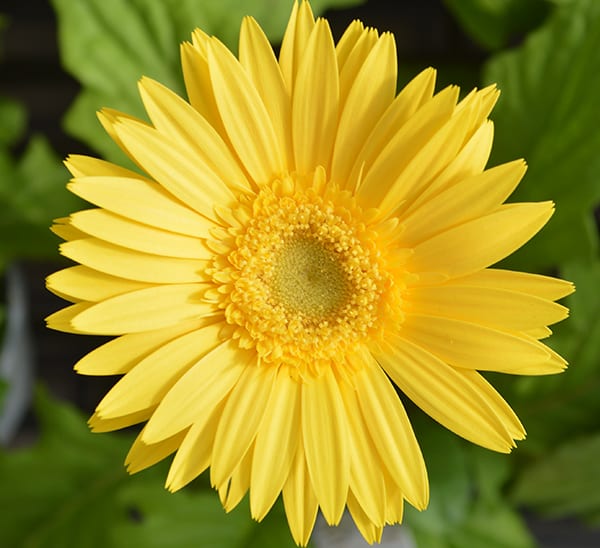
x=448, y=477
x=108, y=46
x=32, y=193
x=71, y=489
x=549, y=113
x=566, y=482
x=493, y=23
x=557, y=407
x=12, y=121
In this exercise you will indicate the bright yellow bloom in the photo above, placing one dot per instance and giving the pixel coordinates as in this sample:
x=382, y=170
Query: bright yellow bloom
x=302, y=237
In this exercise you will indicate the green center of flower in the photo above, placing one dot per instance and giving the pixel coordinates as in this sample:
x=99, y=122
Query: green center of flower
x=309, y=279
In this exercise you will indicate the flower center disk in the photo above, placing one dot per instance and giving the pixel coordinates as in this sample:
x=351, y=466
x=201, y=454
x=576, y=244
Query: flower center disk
x=307, y=282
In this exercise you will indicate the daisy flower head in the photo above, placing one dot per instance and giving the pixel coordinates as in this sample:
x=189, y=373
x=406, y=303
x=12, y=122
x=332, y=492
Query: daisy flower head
x=300, y=242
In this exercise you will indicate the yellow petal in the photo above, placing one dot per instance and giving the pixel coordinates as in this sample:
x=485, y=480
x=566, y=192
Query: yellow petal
x=98, y=424
x=428, y=162
x=61, y=320
x=133, y=265
x=391, y=431
x=353, y=34
x=145, y=309
x=199, y=391
x=370, y=531
x=403, y=145
x=447, y=395
x=473, y=346
x=544, y=287
x=470, y=198
x=299, y=499
x=177, y=119
x=326, y=443
x=295, y=40
x=80, y=283
x=183, y=174
x=133, y=235
x=244, y=116
x=240, y=421
x=143, y=201
x=416, y=93
x=240, y=481
x=351, y=63
x=366, y=478
x=120, y=355
x=64, y=229
x=257, y=57
x=196, y=75
x=372, y=91
x=315, y=101
x=148, y=382
x=83, y=166
x=275, y=444
x=194, y=454
x=490, y=306
x=469, y=161
x=477, y=244
x=142, y=455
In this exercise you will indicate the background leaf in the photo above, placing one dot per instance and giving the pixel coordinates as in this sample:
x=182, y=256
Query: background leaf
x=71, y=489
x=566, y=482
x=549, y=113
x=493, y=24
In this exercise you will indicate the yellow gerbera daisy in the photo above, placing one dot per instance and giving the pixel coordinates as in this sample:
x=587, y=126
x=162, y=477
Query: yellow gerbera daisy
x=302, y=238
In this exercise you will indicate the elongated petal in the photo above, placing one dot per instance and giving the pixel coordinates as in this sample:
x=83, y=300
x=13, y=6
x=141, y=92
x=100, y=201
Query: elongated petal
x=145, y=309
x=174, y=117
x=446, y=395
x=120, y=355
x=275, y=444
x=80, y=283
x=369, y=530
x=258, y=58
x=315, y=102
x=184, y=175
x=299, y=499
x=199, y=391
x=544, y=287
x=474, y=346
x=391, y=431
x=148, y=382
x=62, y=319
x=133, y=265
x=403, y=145
x=85, y=166
x=142, y=455
x=325, y=435
x=467, y=200
x=350, y=63
x=477, y=244
x=98, y=424
x=120, y=231
x=143, y=201
x=244, y=116
x=295, y=41
x=240, y=421
x=194, y=454
x=366, y=477
x=490, y=306
x=371, y=93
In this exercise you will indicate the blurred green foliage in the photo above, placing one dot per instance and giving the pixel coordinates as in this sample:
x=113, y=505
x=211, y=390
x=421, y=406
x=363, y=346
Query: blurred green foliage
x=70, y=489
